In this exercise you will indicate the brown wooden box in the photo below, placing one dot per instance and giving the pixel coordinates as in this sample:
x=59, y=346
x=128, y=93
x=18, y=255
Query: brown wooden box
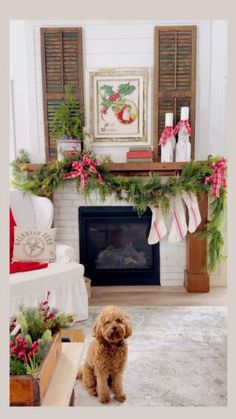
x=29, y=391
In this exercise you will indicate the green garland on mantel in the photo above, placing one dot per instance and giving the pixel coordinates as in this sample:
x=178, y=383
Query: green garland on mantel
x=140, y=192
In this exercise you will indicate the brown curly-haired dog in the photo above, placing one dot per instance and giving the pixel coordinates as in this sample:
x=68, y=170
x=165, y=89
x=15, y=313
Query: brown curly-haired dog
x=107, y=355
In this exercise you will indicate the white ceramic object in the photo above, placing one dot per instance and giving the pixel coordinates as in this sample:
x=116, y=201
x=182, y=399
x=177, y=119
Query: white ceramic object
x=183, y=147
x=68, y=148
x=168, y=149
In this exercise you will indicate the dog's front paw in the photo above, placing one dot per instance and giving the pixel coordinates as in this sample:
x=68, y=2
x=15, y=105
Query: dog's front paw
x=104, y=398
x=121, y=397
x=93, y=391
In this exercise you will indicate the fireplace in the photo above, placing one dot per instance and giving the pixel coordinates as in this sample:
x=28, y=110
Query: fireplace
x=114, y=247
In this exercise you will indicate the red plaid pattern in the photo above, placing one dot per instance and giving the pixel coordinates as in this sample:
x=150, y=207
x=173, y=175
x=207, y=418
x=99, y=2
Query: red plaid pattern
x=181, y=124
x=218, y=178
x=168, y=132
x=80, y=169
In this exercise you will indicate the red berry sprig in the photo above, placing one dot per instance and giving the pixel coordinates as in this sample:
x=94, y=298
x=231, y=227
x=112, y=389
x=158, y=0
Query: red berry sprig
x=45, y=309
x=20, y=349
x=114, y=96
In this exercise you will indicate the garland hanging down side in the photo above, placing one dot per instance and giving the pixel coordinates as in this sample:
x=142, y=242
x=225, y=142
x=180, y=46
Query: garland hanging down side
x=92, y=174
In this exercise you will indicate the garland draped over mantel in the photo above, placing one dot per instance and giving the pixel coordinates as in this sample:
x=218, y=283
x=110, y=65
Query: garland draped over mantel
x=92, y=174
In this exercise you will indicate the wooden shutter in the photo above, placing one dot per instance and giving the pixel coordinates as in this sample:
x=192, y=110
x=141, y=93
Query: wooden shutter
x=62, y=64
x=174, y=77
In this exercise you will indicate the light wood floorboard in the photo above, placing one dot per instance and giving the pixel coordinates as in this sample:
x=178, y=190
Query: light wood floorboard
x=156, y=296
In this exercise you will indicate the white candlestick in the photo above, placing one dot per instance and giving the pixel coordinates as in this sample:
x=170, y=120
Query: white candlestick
x=184, y=115
x=169, y=119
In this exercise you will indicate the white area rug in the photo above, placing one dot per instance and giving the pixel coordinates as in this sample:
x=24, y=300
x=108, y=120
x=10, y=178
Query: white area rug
x=177, y=357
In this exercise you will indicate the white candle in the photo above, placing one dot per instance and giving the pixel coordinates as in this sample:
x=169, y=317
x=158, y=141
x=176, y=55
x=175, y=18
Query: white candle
x=184, y=113
x=169, y=119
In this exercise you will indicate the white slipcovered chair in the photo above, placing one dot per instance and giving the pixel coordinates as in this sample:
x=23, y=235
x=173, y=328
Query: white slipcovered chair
x=64, y=278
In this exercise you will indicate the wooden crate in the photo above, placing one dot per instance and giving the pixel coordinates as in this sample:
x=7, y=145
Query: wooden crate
x=29, y=391
x=61, y=389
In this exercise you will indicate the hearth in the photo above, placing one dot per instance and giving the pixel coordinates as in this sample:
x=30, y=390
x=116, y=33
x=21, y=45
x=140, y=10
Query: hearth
x=114, y=247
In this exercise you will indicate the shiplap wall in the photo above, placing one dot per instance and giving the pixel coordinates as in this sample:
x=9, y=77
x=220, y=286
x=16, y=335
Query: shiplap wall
x=119, y=44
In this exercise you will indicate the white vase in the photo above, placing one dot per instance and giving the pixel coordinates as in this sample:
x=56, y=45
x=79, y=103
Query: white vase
x=183, y=147
x=168, y=150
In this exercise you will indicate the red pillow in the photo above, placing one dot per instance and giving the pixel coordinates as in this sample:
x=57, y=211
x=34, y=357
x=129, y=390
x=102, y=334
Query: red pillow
x=12, y=224
x=26, y=266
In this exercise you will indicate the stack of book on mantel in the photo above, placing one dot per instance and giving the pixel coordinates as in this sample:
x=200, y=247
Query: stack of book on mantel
x=139, y=154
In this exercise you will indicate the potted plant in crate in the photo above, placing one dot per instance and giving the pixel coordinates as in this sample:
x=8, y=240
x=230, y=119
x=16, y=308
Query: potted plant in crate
x=67, y=125
x=35, y=347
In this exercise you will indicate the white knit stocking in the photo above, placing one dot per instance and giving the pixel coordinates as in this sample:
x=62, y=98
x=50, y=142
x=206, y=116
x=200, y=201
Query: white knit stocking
x=178, y=229
x=191, y=201
x=158, y=228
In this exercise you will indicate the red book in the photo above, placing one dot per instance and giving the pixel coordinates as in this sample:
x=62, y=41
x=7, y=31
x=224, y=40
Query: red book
x=139, y=154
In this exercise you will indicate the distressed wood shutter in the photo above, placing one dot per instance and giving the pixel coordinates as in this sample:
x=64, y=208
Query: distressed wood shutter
x=62, y=64
x=174, y=77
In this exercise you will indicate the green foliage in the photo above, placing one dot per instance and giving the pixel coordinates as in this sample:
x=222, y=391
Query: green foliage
x=34, y=320
x=142, y=192
x=108, y=90
x=32, y=368
x=44, y=345
x=19, y=167
x=126, y=89
x=22, y=156
x=37, y=325
x=28, y=340
x=67, y=118
x=213, y=229
x=17, y=367
x=23, y=323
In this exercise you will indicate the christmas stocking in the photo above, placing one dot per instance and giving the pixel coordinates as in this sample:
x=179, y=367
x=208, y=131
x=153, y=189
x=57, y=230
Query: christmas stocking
x=178, y=229
x=158, y=229
x=191, y=201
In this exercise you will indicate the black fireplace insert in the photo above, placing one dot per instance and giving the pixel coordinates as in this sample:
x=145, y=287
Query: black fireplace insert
x=114, y=246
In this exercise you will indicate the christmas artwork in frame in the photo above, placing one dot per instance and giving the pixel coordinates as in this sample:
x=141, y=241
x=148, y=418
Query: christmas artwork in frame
x=118, y=106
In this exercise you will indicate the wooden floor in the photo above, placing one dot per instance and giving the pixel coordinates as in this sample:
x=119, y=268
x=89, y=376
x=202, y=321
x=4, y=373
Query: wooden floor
x=156, y=296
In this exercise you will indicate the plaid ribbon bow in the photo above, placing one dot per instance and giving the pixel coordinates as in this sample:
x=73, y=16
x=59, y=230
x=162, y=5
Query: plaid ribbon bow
x=167, y=133
x=182, y=123
x=80, y=169
x=218, y=178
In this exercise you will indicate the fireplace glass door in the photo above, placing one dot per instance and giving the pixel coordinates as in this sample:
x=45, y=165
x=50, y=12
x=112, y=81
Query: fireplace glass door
x=114, y=247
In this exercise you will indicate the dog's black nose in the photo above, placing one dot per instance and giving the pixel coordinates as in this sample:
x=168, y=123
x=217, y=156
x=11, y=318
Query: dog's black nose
x=114, y=328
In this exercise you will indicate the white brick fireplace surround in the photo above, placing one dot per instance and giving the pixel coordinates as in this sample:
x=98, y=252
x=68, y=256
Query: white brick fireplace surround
x=66, y=202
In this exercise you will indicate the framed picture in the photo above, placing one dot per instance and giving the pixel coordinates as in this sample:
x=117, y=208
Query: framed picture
x=118, y=105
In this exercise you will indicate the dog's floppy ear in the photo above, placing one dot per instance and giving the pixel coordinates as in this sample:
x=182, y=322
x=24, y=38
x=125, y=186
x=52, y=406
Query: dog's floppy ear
x=128, y=327
x=97, y=330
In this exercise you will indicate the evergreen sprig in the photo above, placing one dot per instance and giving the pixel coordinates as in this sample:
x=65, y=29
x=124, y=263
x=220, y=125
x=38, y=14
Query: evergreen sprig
x=140, y=192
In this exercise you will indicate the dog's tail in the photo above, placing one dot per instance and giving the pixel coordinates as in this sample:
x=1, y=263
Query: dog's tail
x=80, y=374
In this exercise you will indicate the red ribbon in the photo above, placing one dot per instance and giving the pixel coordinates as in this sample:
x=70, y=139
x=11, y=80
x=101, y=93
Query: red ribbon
x=168, y=132
x=183, y=123
x=218, y=178
x=80, y=169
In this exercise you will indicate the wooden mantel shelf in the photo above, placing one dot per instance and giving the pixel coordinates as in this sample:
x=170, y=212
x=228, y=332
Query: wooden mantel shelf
x=135, y=169
x=142, y=169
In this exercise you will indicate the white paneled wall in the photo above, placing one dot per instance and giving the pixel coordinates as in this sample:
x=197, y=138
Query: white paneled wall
x=117, y=44
x=120, y=44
